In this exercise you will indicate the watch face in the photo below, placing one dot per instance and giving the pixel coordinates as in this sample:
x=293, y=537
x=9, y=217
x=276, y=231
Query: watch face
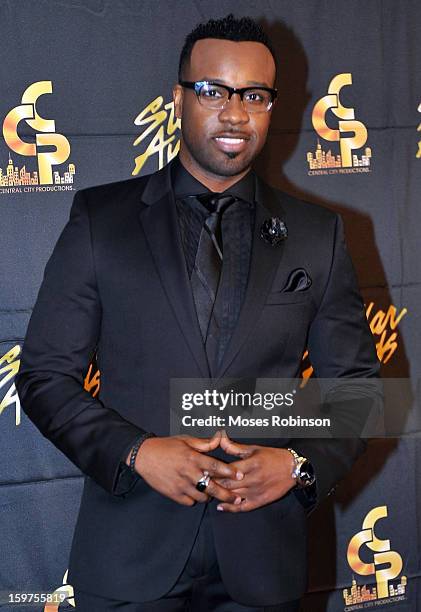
x=307, y=476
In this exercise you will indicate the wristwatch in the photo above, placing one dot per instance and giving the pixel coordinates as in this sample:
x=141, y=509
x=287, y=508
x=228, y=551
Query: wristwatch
x=303, y=471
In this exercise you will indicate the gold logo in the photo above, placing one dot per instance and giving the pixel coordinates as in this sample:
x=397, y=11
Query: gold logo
x=350, y=133
x=419, y=130
x=163, y=123
x=18, y=180
x=63, y=593
x=383, y=555
x=383, y=326
x=92, y=380
x=9, y=367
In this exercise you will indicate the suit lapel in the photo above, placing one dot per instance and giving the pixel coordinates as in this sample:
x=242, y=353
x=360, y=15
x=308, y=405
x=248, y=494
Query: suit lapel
x=161, y=228
x=264, y=262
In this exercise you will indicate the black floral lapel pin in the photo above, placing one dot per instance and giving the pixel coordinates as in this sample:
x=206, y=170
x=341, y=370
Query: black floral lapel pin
x=273, y=231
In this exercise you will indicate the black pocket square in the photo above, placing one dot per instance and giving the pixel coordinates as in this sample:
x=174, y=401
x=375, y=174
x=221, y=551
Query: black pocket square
x=298, y=280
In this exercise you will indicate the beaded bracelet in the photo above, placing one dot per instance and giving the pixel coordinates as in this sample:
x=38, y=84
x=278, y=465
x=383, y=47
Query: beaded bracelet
x=136, y=447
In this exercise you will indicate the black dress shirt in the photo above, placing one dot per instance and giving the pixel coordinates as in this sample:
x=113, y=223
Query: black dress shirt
x=237, y=229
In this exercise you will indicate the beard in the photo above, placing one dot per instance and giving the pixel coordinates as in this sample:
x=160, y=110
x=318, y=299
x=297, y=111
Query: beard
x=220, y=163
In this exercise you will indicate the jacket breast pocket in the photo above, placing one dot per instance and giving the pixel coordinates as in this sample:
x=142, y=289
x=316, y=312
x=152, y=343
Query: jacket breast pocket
x=283, y=297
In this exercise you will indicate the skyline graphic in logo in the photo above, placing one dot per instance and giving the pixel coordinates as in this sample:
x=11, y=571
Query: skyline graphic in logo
x=386, y=566
x=349, y=133
x=15, y=179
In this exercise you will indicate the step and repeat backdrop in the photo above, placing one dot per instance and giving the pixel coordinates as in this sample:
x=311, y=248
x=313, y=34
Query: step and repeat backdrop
x=86, y=99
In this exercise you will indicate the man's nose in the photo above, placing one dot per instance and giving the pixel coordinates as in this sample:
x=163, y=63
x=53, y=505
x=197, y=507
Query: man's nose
x=234, y=111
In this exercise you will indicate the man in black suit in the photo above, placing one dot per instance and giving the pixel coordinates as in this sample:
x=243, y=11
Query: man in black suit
x=198, y=270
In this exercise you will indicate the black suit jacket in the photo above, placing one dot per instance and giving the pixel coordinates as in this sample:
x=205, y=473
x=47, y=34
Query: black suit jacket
x=116, y=284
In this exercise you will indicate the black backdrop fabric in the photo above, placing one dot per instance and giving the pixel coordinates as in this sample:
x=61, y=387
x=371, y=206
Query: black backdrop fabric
x=106, y=69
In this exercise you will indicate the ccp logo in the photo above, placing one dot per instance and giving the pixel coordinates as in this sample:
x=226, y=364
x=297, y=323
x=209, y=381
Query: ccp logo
x=27, y=111
x=382, y=553
x=347, y=123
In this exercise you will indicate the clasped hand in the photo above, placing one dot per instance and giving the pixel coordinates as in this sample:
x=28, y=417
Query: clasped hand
x=173, y=465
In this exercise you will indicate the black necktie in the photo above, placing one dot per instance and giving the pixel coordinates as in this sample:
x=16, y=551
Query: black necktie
x=207, y=270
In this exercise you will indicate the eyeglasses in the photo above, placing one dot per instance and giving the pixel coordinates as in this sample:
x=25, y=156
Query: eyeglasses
x=215, y=96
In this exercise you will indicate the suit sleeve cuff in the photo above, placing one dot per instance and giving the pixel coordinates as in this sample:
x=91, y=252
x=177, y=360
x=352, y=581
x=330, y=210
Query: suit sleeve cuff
x=307, y=497
x=125, y=480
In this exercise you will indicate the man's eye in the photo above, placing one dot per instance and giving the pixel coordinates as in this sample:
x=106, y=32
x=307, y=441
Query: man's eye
x=255, y=97
x=211, y=93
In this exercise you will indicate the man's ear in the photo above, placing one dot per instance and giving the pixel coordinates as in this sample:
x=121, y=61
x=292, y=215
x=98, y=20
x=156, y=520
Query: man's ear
x=177, y=94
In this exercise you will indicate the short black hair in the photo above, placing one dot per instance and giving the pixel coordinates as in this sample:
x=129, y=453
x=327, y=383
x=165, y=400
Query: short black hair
x=226, y=28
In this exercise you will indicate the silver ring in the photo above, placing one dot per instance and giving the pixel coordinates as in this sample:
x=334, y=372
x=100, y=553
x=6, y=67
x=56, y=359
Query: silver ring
x=202, y=484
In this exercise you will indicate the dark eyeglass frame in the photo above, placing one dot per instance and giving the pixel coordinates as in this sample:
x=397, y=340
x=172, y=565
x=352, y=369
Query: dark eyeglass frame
x=197, y=86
